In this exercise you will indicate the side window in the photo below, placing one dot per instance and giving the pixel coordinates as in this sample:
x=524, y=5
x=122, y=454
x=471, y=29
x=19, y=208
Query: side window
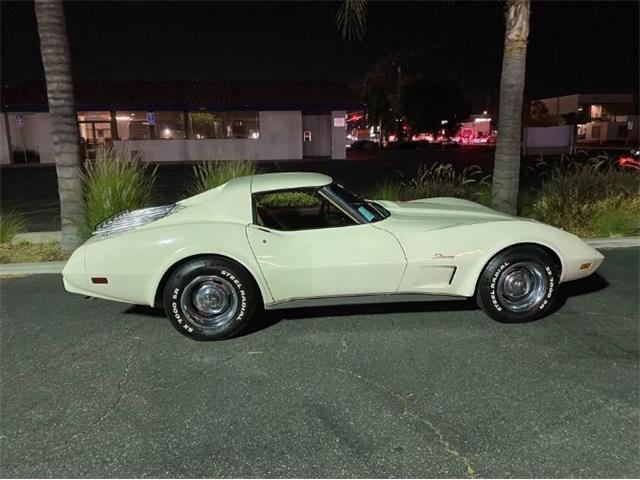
x=299, y=209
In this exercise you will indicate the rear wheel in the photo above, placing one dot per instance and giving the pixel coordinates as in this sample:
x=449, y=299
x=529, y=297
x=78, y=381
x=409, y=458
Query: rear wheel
x=210, y=298
x=519, y=284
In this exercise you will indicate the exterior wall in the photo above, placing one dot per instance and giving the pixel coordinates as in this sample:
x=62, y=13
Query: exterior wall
x=5, y=147
x=320, y=128
x=610, y=132
x=280, y=139
x=561, y=105
x=338, y=136
x=548, y=140
x=35, y=134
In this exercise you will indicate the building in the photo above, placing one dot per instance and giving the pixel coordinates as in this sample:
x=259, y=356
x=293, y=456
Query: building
x=186, y=121
x=600, y=119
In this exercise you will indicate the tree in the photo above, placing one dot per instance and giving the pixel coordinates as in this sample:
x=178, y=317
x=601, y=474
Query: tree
x=506, y=167
x=380, y=94
x=425, y=103
x=54, y=49
x=351, y=21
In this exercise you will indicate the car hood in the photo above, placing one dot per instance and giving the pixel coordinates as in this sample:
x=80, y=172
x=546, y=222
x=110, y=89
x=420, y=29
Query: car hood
x=437, y=213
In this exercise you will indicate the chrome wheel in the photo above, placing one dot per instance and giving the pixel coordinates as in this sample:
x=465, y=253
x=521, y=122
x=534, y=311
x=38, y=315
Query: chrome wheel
x=522, y=286
x=209, y=301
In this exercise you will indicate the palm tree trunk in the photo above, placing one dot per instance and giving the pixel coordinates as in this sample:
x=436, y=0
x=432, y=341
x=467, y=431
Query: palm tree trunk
x=507, y=158
x=54, y=48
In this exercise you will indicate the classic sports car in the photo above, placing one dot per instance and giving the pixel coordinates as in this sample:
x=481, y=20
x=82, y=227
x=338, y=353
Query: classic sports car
x=286, y=240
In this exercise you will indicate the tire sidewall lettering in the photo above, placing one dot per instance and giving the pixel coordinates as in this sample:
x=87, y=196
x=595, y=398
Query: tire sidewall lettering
x=494, y=280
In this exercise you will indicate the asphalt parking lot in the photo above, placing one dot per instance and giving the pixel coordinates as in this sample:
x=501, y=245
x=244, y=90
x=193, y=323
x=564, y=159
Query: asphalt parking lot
x=99, y=389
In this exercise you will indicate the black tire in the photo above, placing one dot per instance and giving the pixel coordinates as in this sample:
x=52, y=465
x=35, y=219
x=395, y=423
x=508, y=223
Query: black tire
x=210, y=298
x=519, y=284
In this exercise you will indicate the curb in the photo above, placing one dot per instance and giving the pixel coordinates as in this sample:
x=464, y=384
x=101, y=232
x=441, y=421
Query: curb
x=31, y=268
x=608, y=243
x=56, y=267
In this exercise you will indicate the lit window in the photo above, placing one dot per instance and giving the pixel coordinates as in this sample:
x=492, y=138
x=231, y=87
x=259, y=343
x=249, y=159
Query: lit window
x=94, y=116
x=206, y=125
x=133, y=126
x=596, y=111
x=242, y=125
x=94, y=127
x=170, y=125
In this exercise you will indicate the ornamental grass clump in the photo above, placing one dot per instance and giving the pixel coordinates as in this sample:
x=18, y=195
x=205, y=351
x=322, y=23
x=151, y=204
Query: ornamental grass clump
x=114, y=182
x=208, y=175
x=11, y=223
x=590, y=198
x=438, y=180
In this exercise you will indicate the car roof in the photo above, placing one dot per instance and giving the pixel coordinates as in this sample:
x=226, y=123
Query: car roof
x=267, y=182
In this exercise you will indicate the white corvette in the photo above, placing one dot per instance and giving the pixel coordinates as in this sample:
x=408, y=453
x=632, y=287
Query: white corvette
x=298, y=239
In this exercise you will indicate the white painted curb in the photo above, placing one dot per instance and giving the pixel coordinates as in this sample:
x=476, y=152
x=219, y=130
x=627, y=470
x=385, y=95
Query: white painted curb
x=31, y=268
x=622, y=242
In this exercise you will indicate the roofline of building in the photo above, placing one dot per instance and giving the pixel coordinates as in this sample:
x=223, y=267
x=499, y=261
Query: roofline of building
x=182, y=107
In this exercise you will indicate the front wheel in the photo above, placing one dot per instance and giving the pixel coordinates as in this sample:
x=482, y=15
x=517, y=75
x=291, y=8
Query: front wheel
x=210, y=298
x=518, y=284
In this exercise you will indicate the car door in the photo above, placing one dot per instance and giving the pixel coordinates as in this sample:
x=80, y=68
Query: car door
x=324, y=262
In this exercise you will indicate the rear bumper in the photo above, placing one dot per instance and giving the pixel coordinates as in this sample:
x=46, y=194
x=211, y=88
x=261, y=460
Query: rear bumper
x=74, y=273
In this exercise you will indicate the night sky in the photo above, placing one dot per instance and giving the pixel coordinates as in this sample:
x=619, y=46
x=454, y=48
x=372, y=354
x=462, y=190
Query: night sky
x=586, y=47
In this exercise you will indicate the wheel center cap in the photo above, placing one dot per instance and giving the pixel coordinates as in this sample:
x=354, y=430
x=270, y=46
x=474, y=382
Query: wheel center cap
x=210, y=299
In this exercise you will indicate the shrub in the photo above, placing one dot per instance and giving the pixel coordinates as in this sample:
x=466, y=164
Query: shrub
x=10, y=223
x=589, y=198
x=438, y=180
x=208, y=175
x=391, y=190
x=115, y=181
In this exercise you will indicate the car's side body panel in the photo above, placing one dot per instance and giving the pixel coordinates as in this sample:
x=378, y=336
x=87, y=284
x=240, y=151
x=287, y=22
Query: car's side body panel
x=449, y=241
x=135, y=263
x=349, y=260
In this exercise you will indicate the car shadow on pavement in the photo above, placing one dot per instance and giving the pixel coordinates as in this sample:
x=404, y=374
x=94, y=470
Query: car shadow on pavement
x=584, y=286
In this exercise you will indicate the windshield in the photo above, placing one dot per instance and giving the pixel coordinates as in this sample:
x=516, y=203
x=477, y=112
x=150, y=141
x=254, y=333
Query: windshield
x=368, y=211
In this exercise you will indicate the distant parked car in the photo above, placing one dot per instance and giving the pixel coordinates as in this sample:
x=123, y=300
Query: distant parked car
x=364, y=145
x=285, y=240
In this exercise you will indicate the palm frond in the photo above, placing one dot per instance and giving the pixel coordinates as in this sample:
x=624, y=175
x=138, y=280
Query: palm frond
x=351, y=19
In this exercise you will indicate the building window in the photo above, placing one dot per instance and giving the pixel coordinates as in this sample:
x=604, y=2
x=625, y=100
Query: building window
x=595, y=132
x=133, y=126
x=595, y=111
x=170, y=125
x=206, y=125
x=222, y=125
x=94, y=127
x=242, y=125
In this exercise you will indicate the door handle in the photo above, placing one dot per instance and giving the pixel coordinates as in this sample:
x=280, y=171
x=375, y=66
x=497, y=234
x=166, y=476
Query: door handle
x=262, y=229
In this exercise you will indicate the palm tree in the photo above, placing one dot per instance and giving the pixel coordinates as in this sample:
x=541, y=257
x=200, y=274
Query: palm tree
x=351, y=20
x=54, y=48
x=506, y=169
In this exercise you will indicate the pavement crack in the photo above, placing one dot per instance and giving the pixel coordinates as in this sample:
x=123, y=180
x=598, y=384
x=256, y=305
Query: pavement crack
x=123, y=377
x=470, y=471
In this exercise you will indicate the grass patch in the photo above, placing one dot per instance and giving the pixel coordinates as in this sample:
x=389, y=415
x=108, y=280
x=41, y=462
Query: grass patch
x=31, y=252
x=11, y=223
x=208, y=175
x=115, y=181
